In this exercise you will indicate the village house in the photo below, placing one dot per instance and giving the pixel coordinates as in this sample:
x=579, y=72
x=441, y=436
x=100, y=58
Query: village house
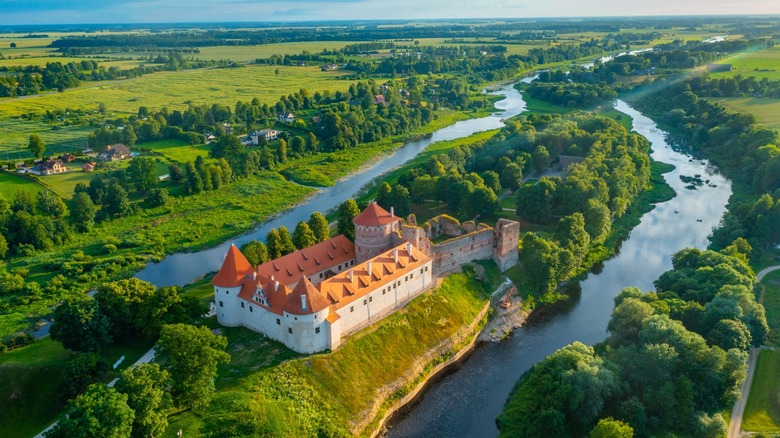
x=114, y=152
x=379, y=100
x=88, y=167
x=265, y=134
x=67, y=158
x=329, y=67
x=311, y=299
x=49, y=167
x=286, y=117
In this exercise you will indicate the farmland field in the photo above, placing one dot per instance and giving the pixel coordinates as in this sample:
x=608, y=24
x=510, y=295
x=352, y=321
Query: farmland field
x=15, y=133
x=180, y=88
x=177, y=150
x=762, y=413
x=761, y=64
x=765, y=109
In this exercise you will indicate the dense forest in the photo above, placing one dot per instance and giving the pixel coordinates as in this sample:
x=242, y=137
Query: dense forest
x=673, y=361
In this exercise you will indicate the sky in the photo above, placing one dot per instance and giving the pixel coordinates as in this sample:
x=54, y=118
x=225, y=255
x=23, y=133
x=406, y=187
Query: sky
x=20, y=12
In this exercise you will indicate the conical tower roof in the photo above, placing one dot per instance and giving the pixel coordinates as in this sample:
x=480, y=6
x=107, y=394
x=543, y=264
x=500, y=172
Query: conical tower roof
x=234, y=269
x=374, y=216
x=307, y=293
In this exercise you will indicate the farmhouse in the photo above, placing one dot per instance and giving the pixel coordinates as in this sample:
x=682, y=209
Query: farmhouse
x=314, y=297
x=114, y=152
x=286, y=117
x=266, y=134
x=50, y=167
x=88, y=167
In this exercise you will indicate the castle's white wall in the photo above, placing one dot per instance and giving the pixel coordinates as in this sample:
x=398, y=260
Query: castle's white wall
x=384, y=299
x=226, y=302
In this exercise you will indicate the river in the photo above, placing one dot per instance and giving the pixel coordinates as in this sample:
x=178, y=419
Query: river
x=182, y=268
x=466, y=403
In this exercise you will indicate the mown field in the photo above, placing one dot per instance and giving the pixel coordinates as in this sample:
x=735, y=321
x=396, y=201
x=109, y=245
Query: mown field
x=765, y=109
x=763, y=63
x=772, y=305
x=12, y=184
x=762, y=412
x=181, y=88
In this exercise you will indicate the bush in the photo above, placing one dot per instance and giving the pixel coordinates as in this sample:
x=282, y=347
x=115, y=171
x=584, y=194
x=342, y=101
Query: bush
x=109, y=248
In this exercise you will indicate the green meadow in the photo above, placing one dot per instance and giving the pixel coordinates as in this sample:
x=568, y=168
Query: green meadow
x=13, y=184
x=181, y=88
x=762, y=412
x=765, y=109
x=15, y=134
x=763, y=63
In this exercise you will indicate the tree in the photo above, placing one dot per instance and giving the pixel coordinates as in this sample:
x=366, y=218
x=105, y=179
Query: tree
x=50, y=204
x=79, y=325
x=144, y=386
x=3, y=246
x=400, y=201
x=157, y=197
x=511, y=176
x=303, y=236
x=282, y=151
x=541, y=158
x=493, y=181
x=319, y=226
x=347, y=211
x=483, y=201
x=122, y=302
x=255, y=252
x=536, y=202
x=285, y=241
x=194, y=182
x=82, y=212
x=274, y=243
x=571, y=235
x=598, y=221
x=36, y=146
x=176, y=173
x=611, y=428
x=115, y=202
x=312, y=143
x=99, y=412
x=192, y=357
x=227, y=146
x=383, y=195
x=23, y=201
x=80, y=372
x=144, y=173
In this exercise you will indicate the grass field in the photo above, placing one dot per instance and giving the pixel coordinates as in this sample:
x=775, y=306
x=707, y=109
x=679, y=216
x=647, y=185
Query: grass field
x=250, y=53
x=763, y=63
x=28, y=387
x=772, y=305
x=15, y=134
x=11, y=184
x=762, y=412
x=765, y=109
x=180, y=88
x=177, y=150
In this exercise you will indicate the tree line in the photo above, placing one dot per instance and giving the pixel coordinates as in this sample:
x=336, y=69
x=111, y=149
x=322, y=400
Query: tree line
x=673, y=360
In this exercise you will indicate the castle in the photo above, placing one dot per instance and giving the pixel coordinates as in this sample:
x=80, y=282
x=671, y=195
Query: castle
x=312, y=298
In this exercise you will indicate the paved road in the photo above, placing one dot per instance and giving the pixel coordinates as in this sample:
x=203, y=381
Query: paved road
x=735, y=425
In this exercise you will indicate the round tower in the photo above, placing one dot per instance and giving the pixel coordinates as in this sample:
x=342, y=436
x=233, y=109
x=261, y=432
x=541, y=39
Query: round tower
x=374, y=229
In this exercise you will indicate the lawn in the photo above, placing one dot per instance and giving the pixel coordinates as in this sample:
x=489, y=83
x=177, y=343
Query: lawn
x=11, y=184
x=64, y=184
x=762, y=412
x=251, y=53
x=765, y=109
x=180, y=88
x=772, y=305
x=177, y=150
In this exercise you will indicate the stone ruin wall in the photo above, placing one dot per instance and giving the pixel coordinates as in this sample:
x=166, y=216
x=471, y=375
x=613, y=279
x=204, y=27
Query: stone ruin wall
x=468, y=242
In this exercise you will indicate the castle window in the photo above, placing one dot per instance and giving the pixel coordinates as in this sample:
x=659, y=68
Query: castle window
x=339, y=267
x=426, y=269
x=251, y=309
x=317, y=330
x=242, y=304
x=296, y=318
x=411, y=275
x=352, y=262
x=320, y=274
x=370, y=299
x=406, y=278
x=351, y=308
x=227, y=292
x=383, y=291
x=278, y=321
x=365, y=302
x=289, y=330
x=221, y=304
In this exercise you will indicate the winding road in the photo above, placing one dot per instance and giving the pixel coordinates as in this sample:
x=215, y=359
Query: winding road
x=735, y=425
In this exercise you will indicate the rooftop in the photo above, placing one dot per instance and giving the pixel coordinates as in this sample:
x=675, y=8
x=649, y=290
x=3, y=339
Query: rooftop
x=234, y=269
x=309, y=261
x=374, y=216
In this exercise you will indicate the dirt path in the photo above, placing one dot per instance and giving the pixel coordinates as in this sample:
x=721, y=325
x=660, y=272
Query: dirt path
x=735, y=425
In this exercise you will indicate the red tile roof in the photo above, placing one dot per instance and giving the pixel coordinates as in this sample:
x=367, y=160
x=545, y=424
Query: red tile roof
x=308, y=293
x=374, y=216
x=234, y=269
x=274, y=293
x=309, y=261
x=355, y=283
